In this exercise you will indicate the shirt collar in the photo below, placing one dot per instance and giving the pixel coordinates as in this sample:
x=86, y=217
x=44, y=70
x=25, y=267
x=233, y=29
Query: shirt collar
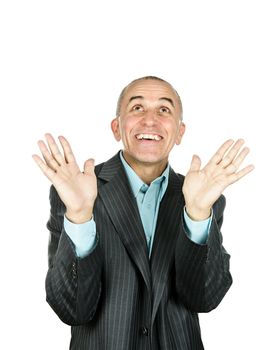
x=135, y=181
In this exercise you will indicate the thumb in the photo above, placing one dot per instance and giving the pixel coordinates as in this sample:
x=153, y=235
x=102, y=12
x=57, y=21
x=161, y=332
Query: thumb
x=89, y=167
x=195, y=163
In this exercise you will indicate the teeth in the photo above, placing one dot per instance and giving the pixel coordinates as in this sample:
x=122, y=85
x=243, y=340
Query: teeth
x=148, y=137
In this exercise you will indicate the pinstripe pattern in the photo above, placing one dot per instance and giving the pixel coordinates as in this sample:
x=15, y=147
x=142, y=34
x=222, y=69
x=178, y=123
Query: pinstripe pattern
x=111, y=294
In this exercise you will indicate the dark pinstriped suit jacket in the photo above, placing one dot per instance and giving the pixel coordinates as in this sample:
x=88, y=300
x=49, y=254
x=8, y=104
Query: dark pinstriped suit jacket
x=118, y=299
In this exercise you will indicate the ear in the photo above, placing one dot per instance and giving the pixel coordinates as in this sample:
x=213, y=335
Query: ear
x=181, y=131
x=115, y=126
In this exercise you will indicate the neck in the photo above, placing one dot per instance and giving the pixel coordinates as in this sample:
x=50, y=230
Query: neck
x=147, y=172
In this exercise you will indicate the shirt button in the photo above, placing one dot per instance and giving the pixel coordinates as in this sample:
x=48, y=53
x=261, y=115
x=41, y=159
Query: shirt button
x=144, y=188
x=144, y=331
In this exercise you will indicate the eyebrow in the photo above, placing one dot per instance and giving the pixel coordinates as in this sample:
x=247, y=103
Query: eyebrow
x=169, y=100
x=162, y=98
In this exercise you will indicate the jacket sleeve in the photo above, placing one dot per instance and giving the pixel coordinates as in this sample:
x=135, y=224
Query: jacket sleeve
x=202, y=271
x=73, y=285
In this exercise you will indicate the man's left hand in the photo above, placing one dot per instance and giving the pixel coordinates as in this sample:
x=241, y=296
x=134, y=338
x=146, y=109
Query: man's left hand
x=202, y=187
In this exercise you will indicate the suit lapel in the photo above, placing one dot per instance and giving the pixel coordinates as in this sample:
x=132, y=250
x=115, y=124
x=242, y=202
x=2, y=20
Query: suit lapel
x=169, y=219
x=122, y=208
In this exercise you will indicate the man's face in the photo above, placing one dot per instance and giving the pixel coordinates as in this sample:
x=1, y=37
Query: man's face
x=149, y=124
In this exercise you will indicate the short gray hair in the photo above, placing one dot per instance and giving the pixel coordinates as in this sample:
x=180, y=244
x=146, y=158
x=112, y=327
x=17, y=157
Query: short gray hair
x=148, y=77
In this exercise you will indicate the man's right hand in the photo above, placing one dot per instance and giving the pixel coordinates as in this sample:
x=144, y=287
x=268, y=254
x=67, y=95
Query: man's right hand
x=77, y=190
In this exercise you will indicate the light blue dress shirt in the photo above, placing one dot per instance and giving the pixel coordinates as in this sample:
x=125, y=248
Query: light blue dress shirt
x=148, y=200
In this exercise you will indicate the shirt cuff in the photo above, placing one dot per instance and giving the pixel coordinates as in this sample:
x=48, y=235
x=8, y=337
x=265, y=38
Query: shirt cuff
x=82, y=235
x=197, y=231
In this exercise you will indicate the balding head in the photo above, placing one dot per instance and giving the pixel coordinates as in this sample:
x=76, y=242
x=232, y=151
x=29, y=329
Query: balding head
x=149, y=77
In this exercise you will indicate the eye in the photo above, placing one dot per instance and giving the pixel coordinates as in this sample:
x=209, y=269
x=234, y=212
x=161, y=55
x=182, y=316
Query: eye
x=164, y=110
x=138, y=108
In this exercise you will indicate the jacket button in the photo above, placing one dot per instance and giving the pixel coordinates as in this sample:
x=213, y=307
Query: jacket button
x=74, y=270
x=144, y=331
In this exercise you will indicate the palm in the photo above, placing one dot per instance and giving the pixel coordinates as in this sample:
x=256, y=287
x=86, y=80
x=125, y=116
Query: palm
x=203, y=187
x=76, y=189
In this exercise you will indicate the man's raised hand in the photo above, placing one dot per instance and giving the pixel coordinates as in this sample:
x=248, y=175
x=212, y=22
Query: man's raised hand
x=77, y=190
x=202, y=187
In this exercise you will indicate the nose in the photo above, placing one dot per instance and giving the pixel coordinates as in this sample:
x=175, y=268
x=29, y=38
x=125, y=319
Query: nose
x=149, y=118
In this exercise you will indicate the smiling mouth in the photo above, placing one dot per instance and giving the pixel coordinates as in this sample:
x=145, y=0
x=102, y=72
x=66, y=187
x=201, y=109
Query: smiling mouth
x=149, y=137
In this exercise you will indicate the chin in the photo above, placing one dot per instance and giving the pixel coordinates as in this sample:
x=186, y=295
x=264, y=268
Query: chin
x=149, y=158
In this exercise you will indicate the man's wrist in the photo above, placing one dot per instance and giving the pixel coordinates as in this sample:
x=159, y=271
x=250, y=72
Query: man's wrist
x=198, y=214
x=79, y=218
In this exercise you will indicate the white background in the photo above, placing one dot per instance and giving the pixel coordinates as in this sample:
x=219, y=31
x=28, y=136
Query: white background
x=63, y=65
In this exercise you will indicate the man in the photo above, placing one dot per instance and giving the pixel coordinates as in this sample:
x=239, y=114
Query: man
x=135, y=249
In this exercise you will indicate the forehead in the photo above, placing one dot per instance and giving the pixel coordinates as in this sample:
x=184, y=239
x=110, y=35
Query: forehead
x=150, y=89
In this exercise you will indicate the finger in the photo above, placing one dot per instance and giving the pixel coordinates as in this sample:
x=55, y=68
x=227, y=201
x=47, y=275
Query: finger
x=234, y=166
x=229, y=157
x=89, y=167
x=195, y=163
x=218, y=156
x=50, y=161
x=243, y=172
x=68, y=154
x=54, y=149
x=240, y=158
x=43, y=166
